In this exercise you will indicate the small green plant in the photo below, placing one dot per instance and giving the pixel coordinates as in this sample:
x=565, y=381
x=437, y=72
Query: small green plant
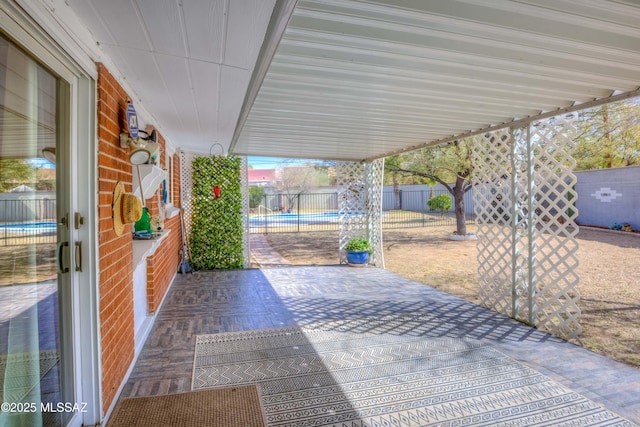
x=440, y=203
x=357, y=245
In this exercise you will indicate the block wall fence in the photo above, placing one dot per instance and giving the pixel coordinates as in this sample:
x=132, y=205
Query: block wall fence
x=607, y=196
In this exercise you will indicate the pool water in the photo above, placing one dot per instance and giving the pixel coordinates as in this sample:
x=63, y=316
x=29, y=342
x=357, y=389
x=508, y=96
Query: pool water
x=29, y=227
x=304, y=218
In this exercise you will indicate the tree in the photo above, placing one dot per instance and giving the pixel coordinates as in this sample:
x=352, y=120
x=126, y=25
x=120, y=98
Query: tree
x=443, y=164
x=15, y=172
x=256, y=196
x=395, y=178
x=296, y=180
x=609, y=136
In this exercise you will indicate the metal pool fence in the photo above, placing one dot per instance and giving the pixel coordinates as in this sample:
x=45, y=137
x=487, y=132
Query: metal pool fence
x=27, y=221
x=282, y=213
x=32, y=221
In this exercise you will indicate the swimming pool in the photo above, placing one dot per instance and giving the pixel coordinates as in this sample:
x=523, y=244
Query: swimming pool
x=48, y=227
x=302, y=218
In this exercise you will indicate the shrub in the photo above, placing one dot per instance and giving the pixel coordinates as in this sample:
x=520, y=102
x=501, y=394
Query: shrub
x=256, y=196
x=440, y=203
x=357, y=245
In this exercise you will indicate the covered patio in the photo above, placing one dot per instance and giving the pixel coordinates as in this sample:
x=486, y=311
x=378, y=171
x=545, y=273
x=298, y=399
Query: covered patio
x=353, y=82
x=350, y=82
x=588, y=389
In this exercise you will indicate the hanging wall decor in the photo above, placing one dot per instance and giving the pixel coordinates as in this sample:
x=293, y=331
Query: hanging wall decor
x=216, y=237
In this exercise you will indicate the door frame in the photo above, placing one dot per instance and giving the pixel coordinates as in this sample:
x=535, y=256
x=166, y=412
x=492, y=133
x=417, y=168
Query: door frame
x=83, y=315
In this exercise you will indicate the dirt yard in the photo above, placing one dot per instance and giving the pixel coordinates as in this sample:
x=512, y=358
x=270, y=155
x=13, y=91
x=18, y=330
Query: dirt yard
x=608, y=270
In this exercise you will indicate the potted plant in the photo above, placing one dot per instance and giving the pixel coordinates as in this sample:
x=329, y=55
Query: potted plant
x=357, y=250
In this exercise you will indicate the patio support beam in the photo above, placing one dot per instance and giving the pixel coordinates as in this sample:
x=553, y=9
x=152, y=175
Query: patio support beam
x=523, y=189
x=375, y=177
x=531, y=242
x=280, y=17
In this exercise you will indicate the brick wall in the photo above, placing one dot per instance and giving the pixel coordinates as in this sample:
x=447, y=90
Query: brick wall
x=116, y=269
x=163, y=265
x=116, y=272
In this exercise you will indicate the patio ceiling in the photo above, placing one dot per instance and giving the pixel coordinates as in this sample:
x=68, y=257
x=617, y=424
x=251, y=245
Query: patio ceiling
x=356, y=80
x=188, y=62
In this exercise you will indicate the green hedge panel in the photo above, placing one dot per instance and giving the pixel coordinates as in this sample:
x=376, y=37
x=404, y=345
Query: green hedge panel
x=216, y=230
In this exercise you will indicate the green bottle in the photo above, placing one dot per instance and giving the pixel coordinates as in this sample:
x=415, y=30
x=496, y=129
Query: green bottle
x=144, y=223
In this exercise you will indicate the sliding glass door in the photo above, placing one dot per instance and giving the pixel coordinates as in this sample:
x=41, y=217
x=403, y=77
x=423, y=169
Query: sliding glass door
x=38, y=253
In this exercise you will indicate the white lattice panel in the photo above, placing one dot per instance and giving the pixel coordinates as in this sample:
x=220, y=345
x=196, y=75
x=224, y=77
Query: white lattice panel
x=375, y=176
x=556, y=280
x=360, y=206
x=492, y=202
x=525, y=211
x=352, y=203
x=244, y=177
x=186, y=187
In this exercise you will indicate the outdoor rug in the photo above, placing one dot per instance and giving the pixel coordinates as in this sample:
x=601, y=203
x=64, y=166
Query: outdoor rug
x=330, y=378
x=26, y=371
x=228, y=407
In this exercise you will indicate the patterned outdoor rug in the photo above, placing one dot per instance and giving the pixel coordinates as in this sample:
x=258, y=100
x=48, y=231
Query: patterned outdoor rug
x=23, y=377
x=328, y=378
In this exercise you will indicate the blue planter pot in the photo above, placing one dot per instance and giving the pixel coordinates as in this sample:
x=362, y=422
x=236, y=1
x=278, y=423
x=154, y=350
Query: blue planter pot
x=357, y=257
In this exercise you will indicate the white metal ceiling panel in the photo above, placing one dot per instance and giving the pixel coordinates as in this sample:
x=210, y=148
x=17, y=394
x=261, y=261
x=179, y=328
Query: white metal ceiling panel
x=206, y=77
x=359, y=79
x=233, y=81
x=164, y=25
x=206, y=22
x=97, y=26
x=186, y=118
x=123, y=21
x=141, y=69
x=247, y=23
x=171, y=53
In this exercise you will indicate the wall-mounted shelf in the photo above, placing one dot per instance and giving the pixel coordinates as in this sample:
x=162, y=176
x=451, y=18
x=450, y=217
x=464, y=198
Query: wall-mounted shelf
x=151, y=176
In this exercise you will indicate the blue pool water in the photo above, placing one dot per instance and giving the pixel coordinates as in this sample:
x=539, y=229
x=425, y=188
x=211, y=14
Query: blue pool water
x=303, y=218
x=29, y=227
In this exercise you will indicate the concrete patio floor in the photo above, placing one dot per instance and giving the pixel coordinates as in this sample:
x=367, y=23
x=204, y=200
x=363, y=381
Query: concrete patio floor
x=361, y=300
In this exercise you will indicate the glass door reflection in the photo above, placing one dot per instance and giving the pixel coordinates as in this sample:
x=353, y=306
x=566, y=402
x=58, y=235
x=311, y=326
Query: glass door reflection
x=32, y=236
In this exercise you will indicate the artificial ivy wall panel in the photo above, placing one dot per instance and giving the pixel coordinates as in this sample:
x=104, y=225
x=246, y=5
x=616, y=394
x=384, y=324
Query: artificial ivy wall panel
x=216, y=238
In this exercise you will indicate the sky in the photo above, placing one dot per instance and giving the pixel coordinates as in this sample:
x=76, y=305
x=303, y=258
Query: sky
x=40, y=163
x=256, y=162
x=274, y=162
x=264, y=162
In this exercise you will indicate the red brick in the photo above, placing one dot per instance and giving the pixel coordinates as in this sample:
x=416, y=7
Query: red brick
x=115, y=252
